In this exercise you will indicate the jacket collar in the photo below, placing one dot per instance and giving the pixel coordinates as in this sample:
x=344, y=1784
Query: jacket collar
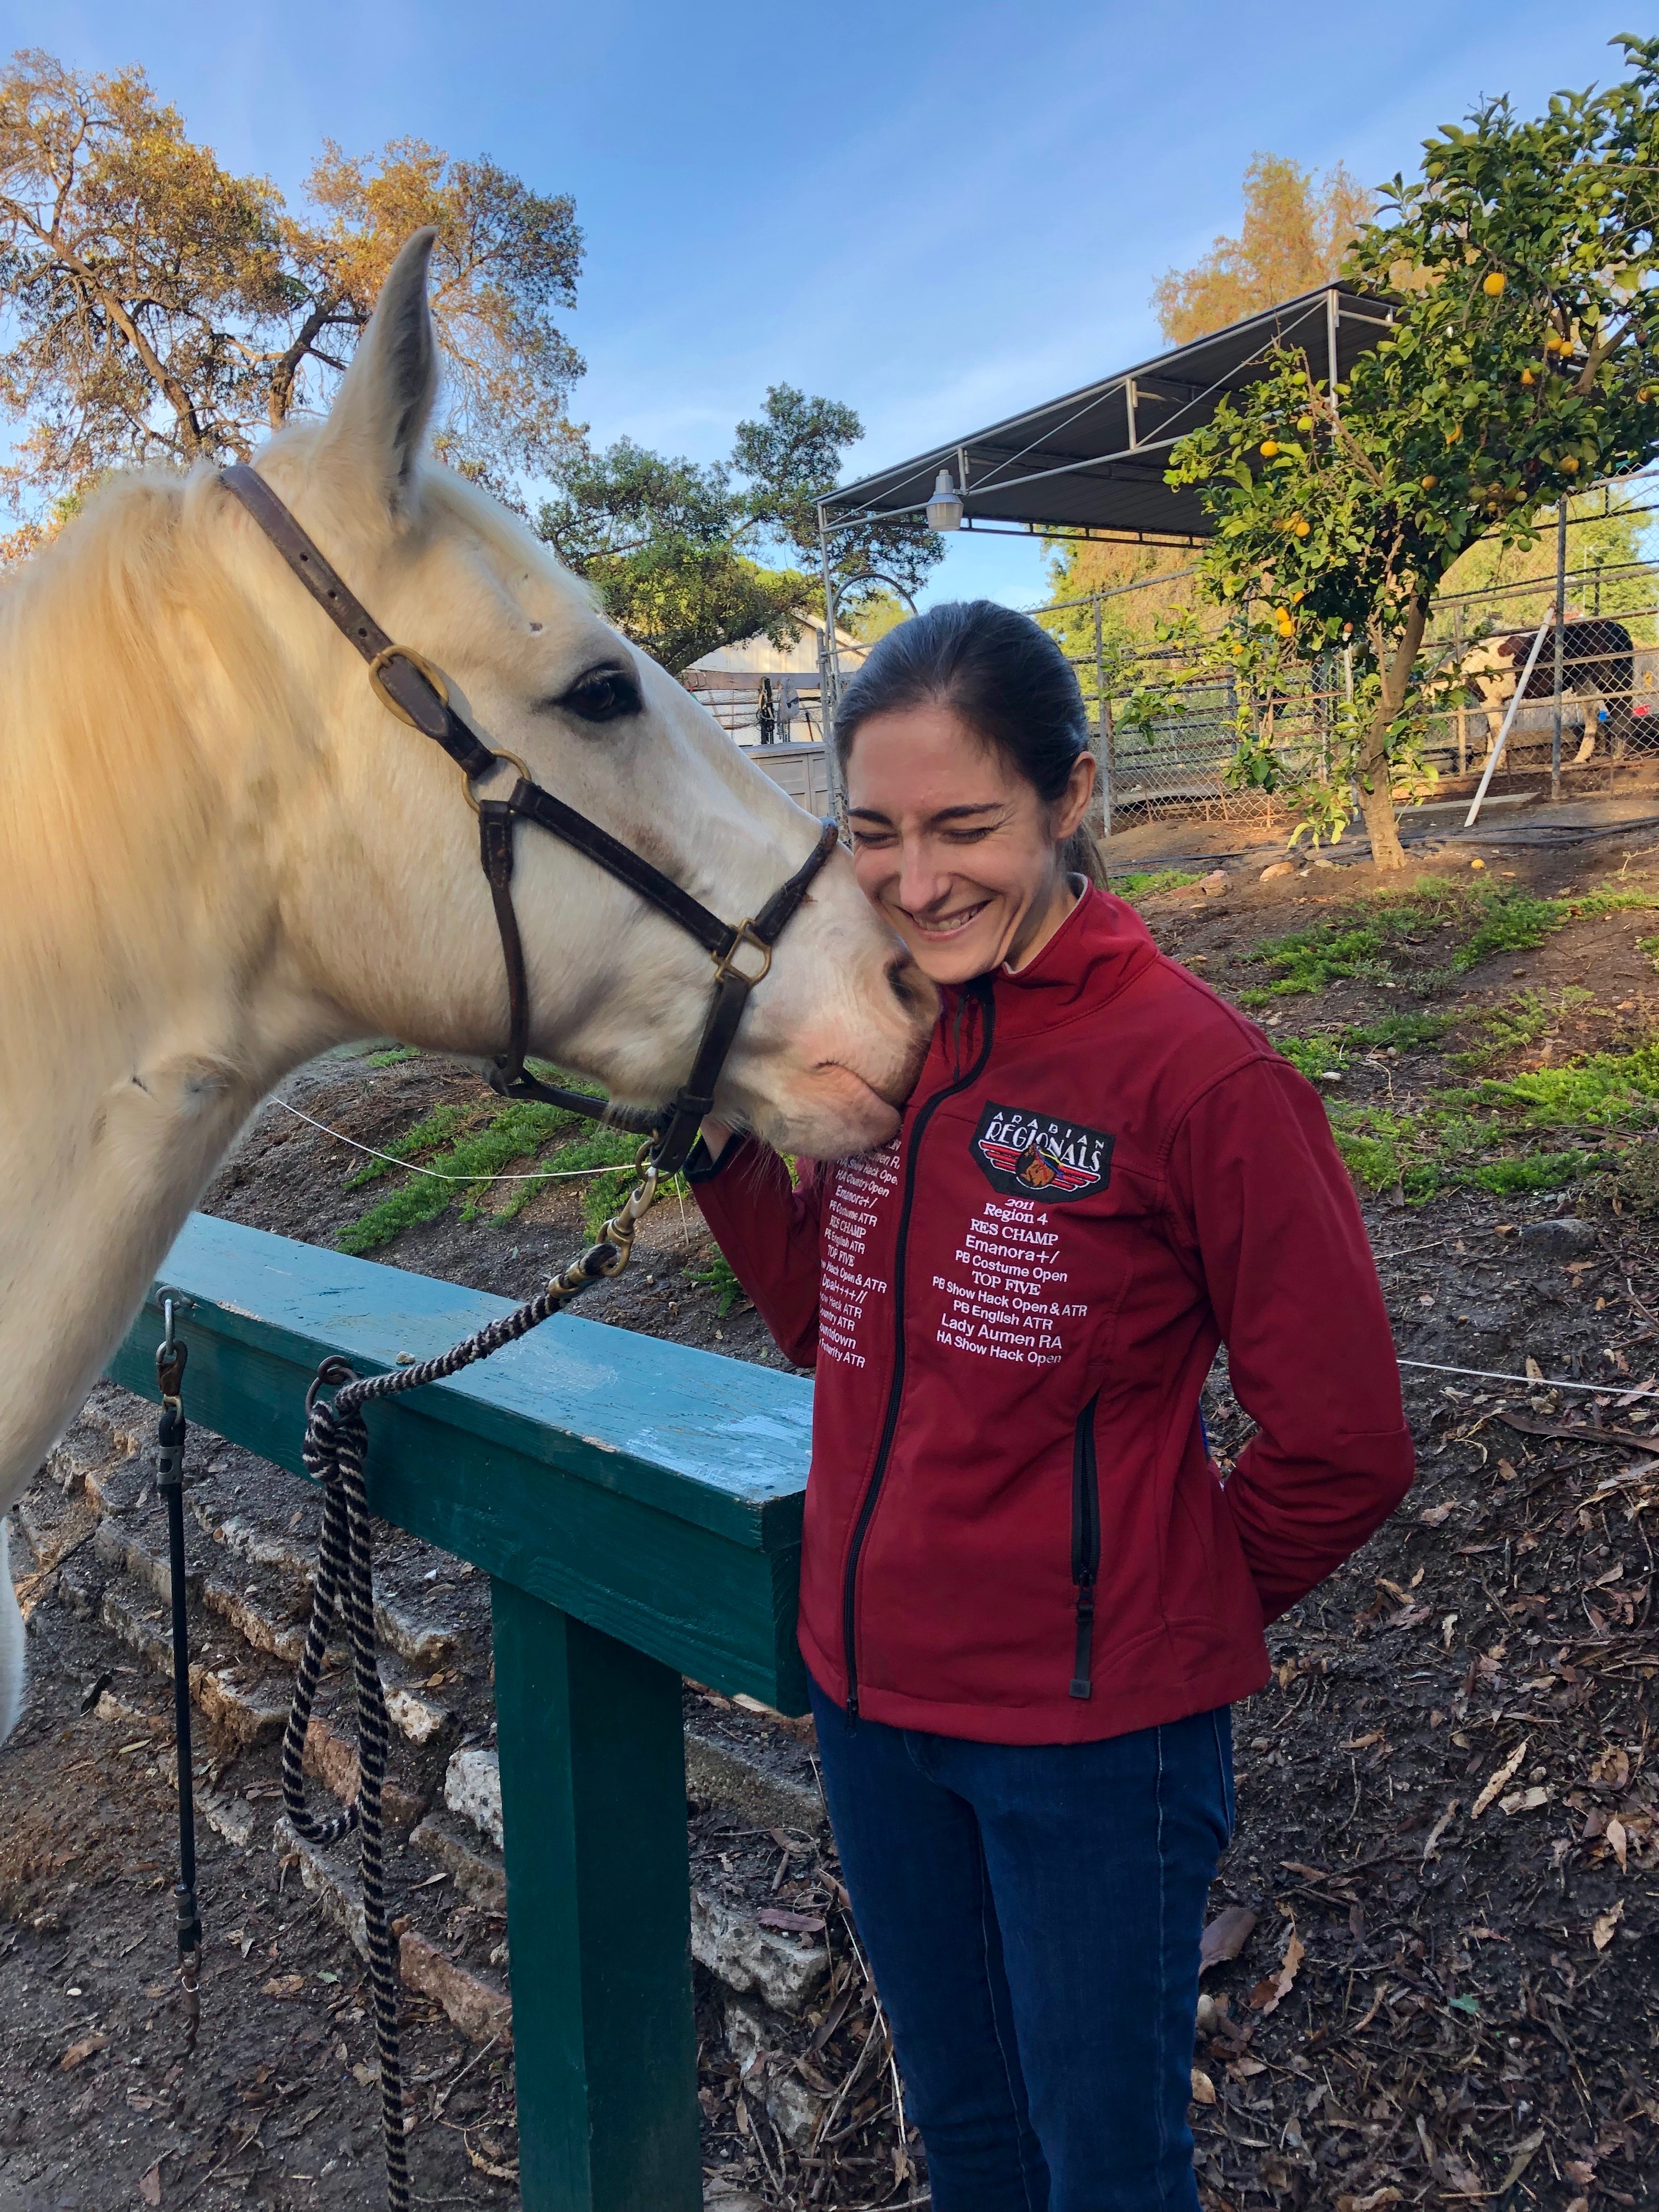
x=1098, y=950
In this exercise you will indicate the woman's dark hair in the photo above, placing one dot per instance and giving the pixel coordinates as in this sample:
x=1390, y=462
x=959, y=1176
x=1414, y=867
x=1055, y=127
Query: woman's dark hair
x=1001, y=674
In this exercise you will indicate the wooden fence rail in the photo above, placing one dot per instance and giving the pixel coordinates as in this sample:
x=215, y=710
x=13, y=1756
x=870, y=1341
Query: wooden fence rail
x=637, y=1506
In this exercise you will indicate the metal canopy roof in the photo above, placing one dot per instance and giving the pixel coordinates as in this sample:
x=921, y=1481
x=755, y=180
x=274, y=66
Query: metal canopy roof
x=1094, y=461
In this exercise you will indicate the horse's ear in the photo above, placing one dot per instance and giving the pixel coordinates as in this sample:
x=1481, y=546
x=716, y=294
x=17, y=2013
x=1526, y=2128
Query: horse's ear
x=379, y=419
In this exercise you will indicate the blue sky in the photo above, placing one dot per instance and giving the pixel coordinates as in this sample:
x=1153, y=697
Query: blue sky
x=938, y=210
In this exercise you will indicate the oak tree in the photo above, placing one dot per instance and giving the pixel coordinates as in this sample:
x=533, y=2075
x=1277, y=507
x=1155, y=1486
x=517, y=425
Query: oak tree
x=676, y=549
x=156, y=307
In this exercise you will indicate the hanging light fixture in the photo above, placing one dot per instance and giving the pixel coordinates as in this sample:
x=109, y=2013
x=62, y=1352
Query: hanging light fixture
x=945, y=508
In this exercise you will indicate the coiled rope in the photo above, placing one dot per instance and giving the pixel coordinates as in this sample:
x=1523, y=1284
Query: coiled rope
x=335, y=1452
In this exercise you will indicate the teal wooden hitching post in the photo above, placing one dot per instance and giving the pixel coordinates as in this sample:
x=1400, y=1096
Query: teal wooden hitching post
x=597, y=1902
x=637, y=1506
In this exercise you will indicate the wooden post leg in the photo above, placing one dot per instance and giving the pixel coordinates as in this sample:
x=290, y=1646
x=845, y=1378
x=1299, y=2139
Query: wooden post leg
x=599, y=1916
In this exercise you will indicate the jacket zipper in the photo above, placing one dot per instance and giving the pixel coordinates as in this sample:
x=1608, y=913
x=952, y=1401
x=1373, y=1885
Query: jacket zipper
x=890, y=1424
x=1085, y=1544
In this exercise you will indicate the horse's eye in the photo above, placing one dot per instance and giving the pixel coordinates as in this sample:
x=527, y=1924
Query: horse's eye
x=604, y=695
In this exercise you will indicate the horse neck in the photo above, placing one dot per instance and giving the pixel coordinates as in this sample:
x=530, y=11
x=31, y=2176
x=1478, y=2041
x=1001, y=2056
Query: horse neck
x=151, y=1001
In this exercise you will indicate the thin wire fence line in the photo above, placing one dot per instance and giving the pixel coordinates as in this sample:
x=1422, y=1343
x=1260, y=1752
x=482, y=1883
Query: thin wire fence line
x=1527, y=1382
x=438, y=1175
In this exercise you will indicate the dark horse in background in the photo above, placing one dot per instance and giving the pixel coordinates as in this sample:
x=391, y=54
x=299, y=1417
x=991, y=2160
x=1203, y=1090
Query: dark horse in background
x=1597, y=662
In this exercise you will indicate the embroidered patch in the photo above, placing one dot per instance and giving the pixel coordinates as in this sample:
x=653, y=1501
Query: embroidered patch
x=1036, y=1156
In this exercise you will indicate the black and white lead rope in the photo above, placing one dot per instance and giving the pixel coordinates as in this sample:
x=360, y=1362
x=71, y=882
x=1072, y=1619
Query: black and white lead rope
x=335, y=1451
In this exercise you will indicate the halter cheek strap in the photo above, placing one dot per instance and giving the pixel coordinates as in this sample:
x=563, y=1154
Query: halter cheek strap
x=417, y=693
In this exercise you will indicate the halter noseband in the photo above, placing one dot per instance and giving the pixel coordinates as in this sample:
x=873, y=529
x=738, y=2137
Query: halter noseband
x=417, y=694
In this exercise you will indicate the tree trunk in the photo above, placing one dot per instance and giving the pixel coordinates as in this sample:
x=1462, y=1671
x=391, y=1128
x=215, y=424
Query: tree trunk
x=1375, y=782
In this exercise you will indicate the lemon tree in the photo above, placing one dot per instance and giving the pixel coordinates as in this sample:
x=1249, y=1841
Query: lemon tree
x=1522, y=360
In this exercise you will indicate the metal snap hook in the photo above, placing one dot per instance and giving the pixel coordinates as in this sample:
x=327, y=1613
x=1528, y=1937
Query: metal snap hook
x=333, y=1373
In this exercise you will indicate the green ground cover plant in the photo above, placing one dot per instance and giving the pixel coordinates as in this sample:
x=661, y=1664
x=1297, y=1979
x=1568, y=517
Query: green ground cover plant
x=1520, y=1021
x=486, y=1139
x=1363, y=941
x=1149, y=884
x=720, y=1277
x=1327, y=1054
x=1484, y=1136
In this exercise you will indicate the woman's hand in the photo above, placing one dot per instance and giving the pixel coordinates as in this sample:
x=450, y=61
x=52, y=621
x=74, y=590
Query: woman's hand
x=716, y=1138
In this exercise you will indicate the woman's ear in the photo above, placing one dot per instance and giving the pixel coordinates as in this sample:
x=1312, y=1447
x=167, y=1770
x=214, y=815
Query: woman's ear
x=1074, y=803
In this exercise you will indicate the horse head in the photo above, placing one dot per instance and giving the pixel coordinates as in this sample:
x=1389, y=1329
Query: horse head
x=385, y=908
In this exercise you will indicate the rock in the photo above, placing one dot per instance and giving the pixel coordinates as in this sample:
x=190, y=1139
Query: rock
x=414, y=1718
x=789, y=2103
x=482, y=2012
x=338, y=1893
x=1564, y=1238
x=1214, y=882
x=1275, y=869
x=725, y=1774
x=783, y=1969
x=230, y=1817
x=55, y=1525
x=477, y=2007
x=333, y=1761
x=456, y=1847
x=472, y=1788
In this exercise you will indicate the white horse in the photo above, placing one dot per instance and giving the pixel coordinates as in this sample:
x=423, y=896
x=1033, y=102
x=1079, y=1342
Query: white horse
x=219, y=854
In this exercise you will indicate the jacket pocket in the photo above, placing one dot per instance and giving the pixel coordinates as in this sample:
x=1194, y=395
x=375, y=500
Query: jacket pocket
x=1085, y=1545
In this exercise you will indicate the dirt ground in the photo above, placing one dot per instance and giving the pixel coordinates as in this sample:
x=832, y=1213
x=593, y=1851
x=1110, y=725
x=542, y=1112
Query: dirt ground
x=1436, y=1931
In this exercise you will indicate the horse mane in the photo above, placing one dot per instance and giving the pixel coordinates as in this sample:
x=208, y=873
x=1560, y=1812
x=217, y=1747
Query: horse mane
x=105, y=656
x=129, y=655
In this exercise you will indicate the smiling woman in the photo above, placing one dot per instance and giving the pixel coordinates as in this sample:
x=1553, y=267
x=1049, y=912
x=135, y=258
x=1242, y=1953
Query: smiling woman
x=1027, y=1601
x=968, y=789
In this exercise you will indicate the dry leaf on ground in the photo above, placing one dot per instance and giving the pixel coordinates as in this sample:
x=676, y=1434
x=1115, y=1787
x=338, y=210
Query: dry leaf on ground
x=78, y=2053
x=284, y=1987
x=1439, y=1830
x=1225, y=1937
x=1524, y=2151
x=1610, y=1769
x=1203, y=2087
x=150, y=2187
x=1524, y=1801
x=1504, y=1774
x=1601, y=1935
x=1619, y=1838
x=1272, y=1989
x=490, y=2165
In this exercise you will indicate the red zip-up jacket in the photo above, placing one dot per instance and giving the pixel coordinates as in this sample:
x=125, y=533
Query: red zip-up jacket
x=1014, y=1532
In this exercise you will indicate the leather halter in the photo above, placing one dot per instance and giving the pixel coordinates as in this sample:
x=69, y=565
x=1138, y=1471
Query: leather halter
x=417, y=694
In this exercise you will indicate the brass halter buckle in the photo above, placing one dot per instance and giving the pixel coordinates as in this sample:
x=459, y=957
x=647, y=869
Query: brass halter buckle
x=377, y=680
x=724, y=962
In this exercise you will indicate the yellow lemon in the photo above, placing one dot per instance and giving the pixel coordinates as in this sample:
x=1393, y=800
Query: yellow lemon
x=1527, y=377
x=1570, y=465
x=1493, y=284
x=1269, y=447
x=1477, y=864
x=1302, y=529
x=1429, y=483
x=1304, y=421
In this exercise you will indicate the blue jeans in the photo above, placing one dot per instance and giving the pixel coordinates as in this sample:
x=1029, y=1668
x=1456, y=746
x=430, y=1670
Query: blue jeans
x=1032, y=1915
